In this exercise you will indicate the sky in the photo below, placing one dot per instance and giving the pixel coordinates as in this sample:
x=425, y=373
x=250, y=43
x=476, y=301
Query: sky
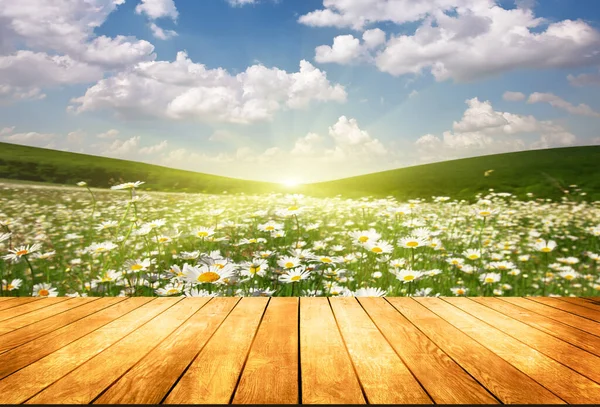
x=298, y=91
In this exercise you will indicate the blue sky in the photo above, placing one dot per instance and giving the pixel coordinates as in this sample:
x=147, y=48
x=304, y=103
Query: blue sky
x=218, y=87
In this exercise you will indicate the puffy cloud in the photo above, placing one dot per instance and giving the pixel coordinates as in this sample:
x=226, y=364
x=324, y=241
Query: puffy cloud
x=477, y=40
x=154, y=148
x=239, y=3
x=6, y=131
x=306, y=145
x=556, y=101
x=161, y=34
x=157, y=9
x=62, y=48
x=483, y=130
x=183, y=89
x=112, y=133
x=373, y=38
x=585, y=79
x=121, y=148
x=30, y=138
x=513, y=96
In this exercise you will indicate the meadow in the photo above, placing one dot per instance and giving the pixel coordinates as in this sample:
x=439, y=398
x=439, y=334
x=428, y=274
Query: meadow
x=82, y=241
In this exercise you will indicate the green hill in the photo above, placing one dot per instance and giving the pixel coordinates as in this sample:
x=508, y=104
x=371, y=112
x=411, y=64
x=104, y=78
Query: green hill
x=546, y=173
x=60, y=167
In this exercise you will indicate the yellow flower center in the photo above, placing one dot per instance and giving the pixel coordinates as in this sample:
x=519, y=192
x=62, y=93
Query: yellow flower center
x=270, y=228
x=100, y=249
x=363, y=239
x=219, y=265
x=163, y=239
x=293, y=208
x=460, y=292
x=569, y=277
x=43, y=293
x=10, y=287
x=326, y=260
x=202, y=234
x=409, y=278
x=489, y=280
x=546, y=249
x=21, y=252
x=377, y=250
x=412, y=244
x=485, y=213
x=254, y=269
x=295, y=278
x=137, y=267
x=289, y=265
x=208, y=277
x=172, y=291
x=252, y=240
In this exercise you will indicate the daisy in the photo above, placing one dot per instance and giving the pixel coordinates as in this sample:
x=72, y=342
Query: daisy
x=545, y=246
x=569, y=274
x=135, y=266
x=459, y=290
x=96, y=248
x=408, y=275
x=198, y=292
x=13, y=285
x=288, y=262
x=128, y=185
x=472, y=254
x=365, y=236
x=204, y=232
x=109, y=276
x=207, y=274
x=18, y=252
x=109, y=224
x=489, y=278
x=412, y=242
x=369, y=292
x=5, y=236
x=379, y=247
x=258, y=267
x=261, y=292
x=169, y=289
x=294, y=276
x=44, y=290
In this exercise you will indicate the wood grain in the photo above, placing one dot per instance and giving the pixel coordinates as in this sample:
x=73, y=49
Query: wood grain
x=328, y=376
x=29, y=318
x=580, y=301
x=26, y=354
x=87, y=381
x=584, y=312
x=30, y=306
x=270, y=375
x=30, y=380
x=556, y=314
x=502, y=379
x=567, y=333
x=11, y=302
x=384, y=377
x=40, y=328
x=213, y=375
x=523, y=353
x=149, y=381
x=444, y=380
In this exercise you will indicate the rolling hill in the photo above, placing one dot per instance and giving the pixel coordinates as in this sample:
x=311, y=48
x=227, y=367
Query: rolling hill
x=545, y=173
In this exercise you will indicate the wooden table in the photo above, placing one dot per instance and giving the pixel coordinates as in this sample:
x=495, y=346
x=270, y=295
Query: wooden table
x=300, y=350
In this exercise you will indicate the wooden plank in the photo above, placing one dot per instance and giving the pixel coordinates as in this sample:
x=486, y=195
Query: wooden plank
x=502, y=379
x=30, y=306
x=580, y=301
x=483, y=324
x=565, y=306
x=15, y=302
x=32, y=379
x=328, y=376
x=88, y=380
x=385, y=379
x=40, y=328
x=150, y=380
x=12, y=324
x=270, y=375
x=26, y=354
x=213, y=375
x=556, y=314
x=550, y=326
x=443, y=379
x=2, y=299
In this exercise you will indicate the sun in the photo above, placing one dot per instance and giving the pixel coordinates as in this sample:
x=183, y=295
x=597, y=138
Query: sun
x=290, y=183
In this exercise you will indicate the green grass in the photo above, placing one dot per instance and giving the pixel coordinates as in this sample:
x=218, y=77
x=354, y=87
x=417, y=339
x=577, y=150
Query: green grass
x=545, y=173
x=59, y=167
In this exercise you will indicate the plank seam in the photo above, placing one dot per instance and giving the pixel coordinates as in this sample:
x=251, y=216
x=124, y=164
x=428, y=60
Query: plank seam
x=198, y=353
x=445, y=353
x=157, y=345
x=35, y=310
x=237, y=383
x=564, y=310
x=535, y=350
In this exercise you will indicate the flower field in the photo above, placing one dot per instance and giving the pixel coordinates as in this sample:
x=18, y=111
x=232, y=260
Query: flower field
x=125, y=242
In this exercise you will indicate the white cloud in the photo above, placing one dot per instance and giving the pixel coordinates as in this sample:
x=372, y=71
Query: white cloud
x=112, y=133
x=32, y=137
x=155, y=148
x=480, y=39
x=513, y=96
x=585, y=79
x=413, y=94
x=483, y=130
x=157, y=9
x=239, y=3
x=373, y=38
x=183, y=89
x=120, y=148
x=6, y=131
x=161, y=34
x=62, y=48
x=306, y=145
x=555, y=101
x=76, y=137
x=345, y=49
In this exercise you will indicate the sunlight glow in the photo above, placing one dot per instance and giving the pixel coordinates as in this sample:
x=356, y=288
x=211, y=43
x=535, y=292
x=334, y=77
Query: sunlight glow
x=290, y=183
